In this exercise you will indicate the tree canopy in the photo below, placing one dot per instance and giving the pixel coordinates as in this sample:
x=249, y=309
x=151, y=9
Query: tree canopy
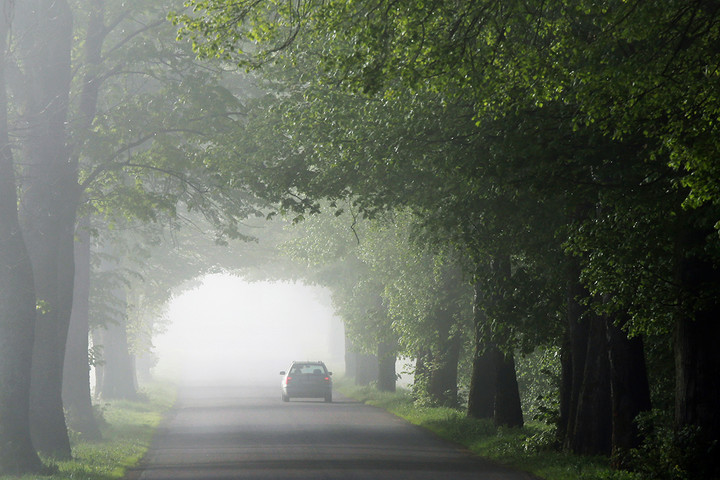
x=567, y=149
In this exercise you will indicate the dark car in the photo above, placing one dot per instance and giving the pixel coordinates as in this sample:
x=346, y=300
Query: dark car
x=307, y=380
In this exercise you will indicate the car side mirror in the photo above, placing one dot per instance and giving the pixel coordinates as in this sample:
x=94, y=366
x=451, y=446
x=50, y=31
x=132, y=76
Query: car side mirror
x=329, y=373
x=282, y=373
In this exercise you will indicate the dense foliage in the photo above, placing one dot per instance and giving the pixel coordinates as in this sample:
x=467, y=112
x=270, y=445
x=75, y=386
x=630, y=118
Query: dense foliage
x=565, y=150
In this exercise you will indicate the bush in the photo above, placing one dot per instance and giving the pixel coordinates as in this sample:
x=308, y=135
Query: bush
x=670, y=453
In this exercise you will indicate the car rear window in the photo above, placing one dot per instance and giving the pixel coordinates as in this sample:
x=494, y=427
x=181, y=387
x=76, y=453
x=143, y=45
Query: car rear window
x=308, y=368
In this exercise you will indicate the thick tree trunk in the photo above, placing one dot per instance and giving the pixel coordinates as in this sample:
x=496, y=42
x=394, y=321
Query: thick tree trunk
x=76, y=394
x=387, y=376
x=588, y=421
x=421, y=374
x=49, y=430
x=629, y=388
x=566, y=389
x=119, y=379
x=50, y=193
x=367, y=369
x=481, y=397
x=697, y=363
x=578, y=334
x=592, y=432
x=697, y=400
x=494, y=389
x=17, y=309
x=350, y=358
x=436, y=370
x=442, y=385
x=697, y=329
x=508, y=409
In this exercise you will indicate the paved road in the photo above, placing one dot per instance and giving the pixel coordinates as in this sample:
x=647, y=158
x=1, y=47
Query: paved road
x=242, y=433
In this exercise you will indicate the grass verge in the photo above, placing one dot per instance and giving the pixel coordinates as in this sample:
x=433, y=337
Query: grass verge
x=127, y=429
x=530, y=449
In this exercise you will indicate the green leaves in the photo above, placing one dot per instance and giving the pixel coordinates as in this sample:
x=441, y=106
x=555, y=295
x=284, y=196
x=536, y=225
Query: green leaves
x=495, y=123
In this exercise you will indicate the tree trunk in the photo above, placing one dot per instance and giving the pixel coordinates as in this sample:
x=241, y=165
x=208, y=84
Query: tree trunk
x=697, y=329
x=119, y=379
x=367, y=369
x=76, y=394
x=481, y=397
x=697, y=365
x=443, y=375
x=629, y=388
x=17, y=308
x=508, y=409
x=442, y=387
x=578, y=334
x=421, y=374
x=387, y=376
x=350, y=358
x=566, y=389
x=50, y=194
x=592, y=432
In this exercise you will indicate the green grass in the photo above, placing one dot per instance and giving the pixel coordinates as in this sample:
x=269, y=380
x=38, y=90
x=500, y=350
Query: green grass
x=529, y=449
x=127, y=432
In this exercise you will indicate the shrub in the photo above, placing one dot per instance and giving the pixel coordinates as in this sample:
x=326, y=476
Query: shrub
x=670, y=453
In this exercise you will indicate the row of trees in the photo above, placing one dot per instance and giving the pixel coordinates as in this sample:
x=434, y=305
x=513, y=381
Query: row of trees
x=565, y=152
x=105, y=125
x=395, y=300
x=554, y=165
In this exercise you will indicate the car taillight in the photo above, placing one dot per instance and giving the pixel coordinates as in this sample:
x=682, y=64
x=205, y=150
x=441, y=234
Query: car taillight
x=327, y=379
x=287, y=380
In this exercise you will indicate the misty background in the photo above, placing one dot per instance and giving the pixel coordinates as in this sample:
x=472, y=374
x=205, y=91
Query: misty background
x=228, y=330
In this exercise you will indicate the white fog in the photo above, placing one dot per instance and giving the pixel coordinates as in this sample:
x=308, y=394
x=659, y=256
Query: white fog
x=235, y=331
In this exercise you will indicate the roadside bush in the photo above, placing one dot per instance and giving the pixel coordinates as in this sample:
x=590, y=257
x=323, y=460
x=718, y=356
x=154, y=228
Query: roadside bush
x=670, y=453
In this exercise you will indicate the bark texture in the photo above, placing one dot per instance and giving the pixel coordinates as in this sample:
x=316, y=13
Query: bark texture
x=586, y=413
x=367, y=369
x=387, y=376
x=481, y=397
x=77, y=397
x=566, y=388
x=443, y=372
x=508, y=409
x=119, y=379
x=592, y=429
x=17, y=308
x=76, y=393
x=629, y=388
x=494, y=391
x=697, y=329
x=49, y=200
x=574, y=364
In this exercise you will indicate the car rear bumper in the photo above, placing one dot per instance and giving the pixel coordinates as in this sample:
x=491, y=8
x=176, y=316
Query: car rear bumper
x=307, y=391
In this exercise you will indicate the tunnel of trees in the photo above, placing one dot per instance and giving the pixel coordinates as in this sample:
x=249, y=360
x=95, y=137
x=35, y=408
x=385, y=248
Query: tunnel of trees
x=494, y=191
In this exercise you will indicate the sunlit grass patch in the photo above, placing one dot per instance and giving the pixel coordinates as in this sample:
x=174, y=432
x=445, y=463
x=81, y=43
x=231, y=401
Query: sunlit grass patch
x=128, y=429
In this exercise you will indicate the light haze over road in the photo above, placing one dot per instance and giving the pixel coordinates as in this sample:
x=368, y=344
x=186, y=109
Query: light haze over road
x=249, y=433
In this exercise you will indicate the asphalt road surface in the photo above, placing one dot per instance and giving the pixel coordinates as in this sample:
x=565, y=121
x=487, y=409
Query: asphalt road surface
x=243, y=433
